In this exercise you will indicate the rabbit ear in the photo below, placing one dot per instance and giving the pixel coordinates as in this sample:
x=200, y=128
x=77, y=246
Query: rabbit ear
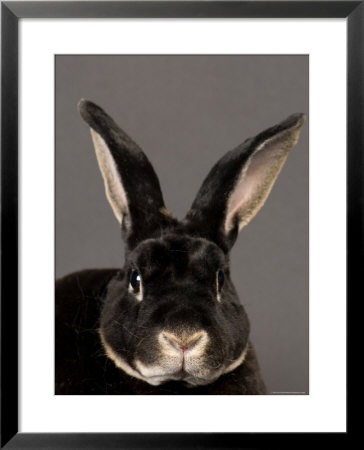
x=238, y=185
x=131, y=185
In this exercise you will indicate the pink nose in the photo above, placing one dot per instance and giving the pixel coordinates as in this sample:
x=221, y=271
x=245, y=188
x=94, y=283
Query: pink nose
x=184, y=342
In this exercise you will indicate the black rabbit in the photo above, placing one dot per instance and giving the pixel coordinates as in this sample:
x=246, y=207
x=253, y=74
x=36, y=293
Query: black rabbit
x=170, y=321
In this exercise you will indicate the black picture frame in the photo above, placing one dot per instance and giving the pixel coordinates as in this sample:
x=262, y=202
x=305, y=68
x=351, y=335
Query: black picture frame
x=11, y=13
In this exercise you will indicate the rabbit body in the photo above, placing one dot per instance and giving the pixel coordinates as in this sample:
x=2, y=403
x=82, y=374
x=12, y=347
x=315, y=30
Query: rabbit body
x=170, y=321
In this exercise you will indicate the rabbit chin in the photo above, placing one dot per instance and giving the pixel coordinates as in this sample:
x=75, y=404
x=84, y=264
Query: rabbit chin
x=161, y=376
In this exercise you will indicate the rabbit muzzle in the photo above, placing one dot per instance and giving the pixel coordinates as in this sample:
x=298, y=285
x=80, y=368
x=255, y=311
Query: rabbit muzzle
x=174, y=356
x=181, y=357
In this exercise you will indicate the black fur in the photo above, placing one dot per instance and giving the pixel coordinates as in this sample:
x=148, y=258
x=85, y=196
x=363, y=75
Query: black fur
x=82, y=366
x=101, y=320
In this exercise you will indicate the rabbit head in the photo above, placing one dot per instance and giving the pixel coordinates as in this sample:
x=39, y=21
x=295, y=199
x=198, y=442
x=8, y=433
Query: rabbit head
x=172, y=312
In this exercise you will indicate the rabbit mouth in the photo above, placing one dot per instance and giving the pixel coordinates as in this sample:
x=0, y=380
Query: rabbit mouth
x=191, y=371
x=180, y=374
x=189, y=379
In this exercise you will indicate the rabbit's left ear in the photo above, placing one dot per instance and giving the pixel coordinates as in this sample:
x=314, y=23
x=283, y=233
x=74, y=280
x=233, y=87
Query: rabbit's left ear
x=238, y=185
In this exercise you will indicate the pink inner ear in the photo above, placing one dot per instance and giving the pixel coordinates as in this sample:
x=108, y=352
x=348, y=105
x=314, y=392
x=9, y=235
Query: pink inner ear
x=114, y=189
x=254, y=184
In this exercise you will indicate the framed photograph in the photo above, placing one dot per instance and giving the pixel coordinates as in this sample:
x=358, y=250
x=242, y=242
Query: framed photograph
x=195, y=119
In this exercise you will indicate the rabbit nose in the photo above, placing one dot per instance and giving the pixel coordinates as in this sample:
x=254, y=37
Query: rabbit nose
x=184, y=342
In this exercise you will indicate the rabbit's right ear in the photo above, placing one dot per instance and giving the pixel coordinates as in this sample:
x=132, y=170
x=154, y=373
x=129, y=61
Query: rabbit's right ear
x=238, y=185
x=131, y=185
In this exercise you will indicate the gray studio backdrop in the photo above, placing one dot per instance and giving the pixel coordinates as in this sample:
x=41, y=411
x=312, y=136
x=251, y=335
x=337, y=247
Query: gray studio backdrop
x=186, y=112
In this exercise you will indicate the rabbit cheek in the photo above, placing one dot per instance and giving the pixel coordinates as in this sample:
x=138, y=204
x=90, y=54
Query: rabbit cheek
x=238, y=361
x=118, y=360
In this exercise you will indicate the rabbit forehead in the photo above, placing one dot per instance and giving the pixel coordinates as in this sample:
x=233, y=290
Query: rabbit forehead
x=172, y=250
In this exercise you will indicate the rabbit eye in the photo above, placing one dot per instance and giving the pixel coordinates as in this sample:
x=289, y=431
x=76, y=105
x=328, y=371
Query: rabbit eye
x=220, y=279
x=135, y=281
